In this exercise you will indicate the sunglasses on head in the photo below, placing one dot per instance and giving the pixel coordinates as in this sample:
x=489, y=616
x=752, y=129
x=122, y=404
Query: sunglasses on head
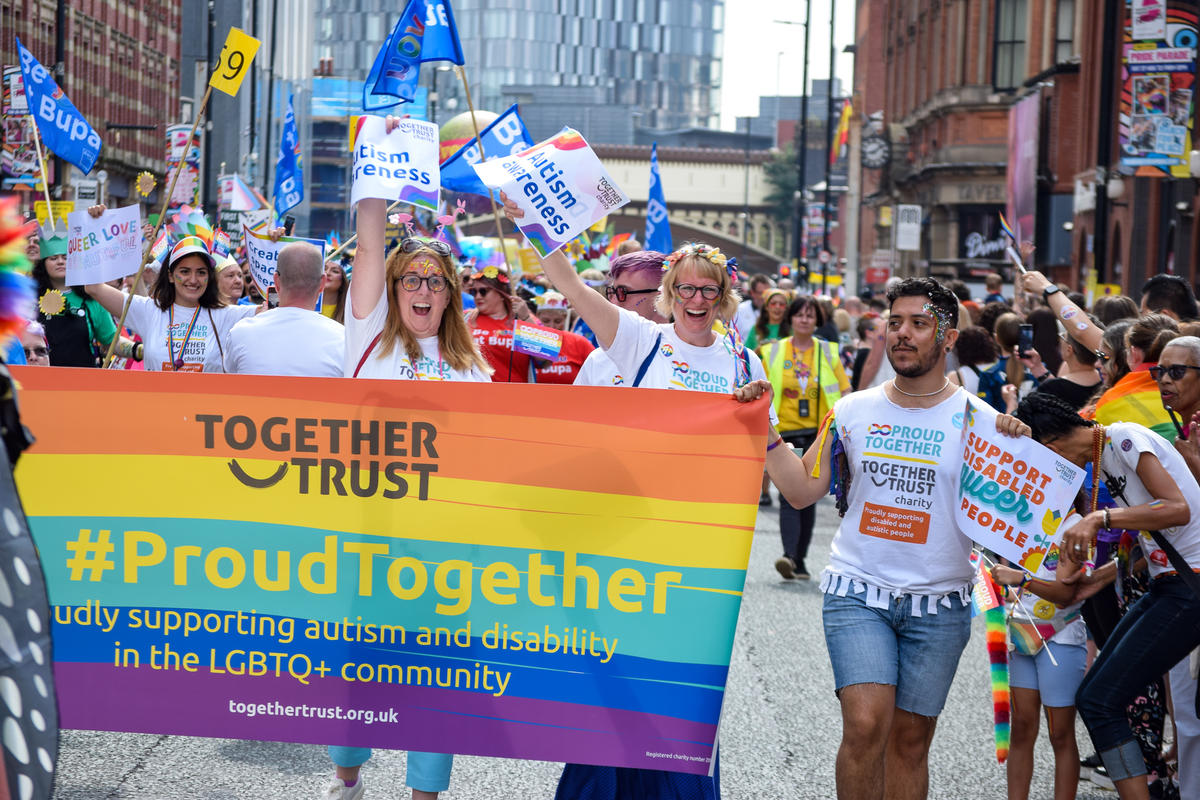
x=622, y=293
x=412, y=244
x=1175, y=372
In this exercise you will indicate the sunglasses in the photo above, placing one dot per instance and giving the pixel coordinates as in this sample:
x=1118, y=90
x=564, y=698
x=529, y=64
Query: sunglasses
x=622, y=293
x=1175, y=372
x=412, y=244
x=37, y=352
x=411, y=282
x=477, y=291
x=687, y=291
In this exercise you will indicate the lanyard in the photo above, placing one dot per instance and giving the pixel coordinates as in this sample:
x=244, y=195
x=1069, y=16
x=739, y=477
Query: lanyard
x=176, y=363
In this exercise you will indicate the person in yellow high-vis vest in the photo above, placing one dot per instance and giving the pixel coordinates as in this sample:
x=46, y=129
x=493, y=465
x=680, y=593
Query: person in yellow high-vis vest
x=807, y=378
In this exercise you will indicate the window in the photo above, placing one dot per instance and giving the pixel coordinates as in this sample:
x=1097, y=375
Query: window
x=1012, y=19
x=1064, y=31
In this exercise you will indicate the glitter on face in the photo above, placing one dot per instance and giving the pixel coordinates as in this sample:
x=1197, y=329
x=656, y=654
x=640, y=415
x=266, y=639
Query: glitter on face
x=943, y=319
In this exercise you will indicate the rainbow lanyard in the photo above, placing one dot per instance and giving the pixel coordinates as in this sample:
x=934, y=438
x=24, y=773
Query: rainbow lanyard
x=178, y=362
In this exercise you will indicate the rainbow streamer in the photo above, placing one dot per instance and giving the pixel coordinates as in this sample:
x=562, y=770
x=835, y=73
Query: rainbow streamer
x=997, y=648
x=1004, y=226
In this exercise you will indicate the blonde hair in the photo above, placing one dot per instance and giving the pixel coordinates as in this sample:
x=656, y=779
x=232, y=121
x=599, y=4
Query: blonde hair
x=454, y=337
x=727, y=303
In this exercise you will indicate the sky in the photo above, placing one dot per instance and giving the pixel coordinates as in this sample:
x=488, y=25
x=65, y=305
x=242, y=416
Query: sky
x=752, y=65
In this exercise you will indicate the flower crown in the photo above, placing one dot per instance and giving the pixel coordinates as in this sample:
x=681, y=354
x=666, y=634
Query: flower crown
x=492, y=273
x=711, y=254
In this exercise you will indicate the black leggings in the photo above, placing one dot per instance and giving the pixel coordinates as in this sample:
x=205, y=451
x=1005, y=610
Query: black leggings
x=796, y=524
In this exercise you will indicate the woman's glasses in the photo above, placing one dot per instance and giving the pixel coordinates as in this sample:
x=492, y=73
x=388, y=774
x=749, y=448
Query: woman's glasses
x=687, y=291
x=411, y=282
x=412, y=244
x=479, y=291
x=1175, y=372
x=622, y=293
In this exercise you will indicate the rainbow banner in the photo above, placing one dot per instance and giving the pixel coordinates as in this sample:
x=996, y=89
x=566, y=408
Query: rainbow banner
x=534, y=572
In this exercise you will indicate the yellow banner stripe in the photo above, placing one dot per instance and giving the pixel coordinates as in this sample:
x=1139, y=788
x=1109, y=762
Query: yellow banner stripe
x=687, y=534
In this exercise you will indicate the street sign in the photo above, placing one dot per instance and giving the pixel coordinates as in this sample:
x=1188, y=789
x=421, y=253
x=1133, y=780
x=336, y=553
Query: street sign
x=908, y=227
x=87, y=191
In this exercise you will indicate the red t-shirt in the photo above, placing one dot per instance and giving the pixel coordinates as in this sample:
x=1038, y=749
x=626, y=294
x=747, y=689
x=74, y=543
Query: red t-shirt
x=574, y=352
x=494, y=338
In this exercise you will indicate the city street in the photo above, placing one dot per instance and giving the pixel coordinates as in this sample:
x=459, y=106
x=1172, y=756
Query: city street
x=779, y=736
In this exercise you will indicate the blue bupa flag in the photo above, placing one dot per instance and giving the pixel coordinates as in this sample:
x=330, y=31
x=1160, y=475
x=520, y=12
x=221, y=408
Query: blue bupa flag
x=658, y=229
x=425, y=32
x=289, y=180
x=505, y=136
x=63, y=128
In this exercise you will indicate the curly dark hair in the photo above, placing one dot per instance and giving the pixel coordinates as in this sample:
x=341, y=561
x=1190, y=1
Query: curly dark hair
x=992, y=312
x=941, y=298
x=974, y=346
x=1049, y=417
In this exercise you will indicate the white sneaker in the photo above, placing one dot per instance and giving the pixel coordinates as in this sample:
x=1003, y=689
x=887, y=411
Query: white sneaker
x=339, y=791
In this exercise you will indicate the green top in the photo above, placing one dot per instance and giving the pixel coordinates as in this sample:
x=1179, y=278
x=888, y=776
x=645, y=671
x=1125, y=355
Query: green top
x=100, y=320
x=772, y=334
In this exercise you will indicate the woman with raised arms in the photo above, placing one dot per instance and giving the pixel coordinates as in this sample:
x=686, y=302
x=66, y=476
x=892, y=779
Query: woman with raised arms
x=404, y=321
x=697, y=292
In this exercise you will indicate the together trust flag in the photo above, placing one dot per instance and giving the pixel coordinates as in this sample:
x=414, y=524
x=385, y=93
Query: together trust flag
x=424, y=32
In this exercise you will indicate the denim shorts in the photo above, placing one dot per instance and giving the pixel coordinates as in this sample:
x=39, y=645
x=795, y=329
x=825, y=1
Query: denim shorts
x=889, y=646
x=1057, y=685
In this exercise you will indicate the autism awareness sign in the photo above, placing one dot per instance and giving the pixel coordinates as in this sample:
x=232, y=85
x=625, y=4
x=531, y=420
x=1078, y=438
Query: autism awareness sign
x=401, y=165
x=1013, y=493
x=105, y=248
x=561, y=186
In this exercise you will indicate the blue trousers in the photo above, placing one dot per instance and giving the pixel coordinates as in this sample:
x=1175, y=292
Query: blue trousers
x=427, y=772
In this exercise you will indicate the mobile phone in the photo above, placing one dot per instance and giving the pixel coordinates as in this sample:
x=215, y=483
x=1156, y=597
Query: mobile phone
x=289, y=222
x=1025, y=340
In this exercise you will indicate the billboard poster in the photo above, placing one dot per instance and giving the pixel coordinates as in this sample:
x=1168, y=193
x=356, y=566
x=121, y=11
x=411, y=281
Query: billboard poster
x=18, y=159
x=187, y=188
x=1157, y=96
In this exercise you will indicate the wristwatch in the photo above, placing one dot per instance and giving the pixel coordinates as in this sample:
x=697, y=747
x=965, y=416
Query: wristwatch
x=1049, y=290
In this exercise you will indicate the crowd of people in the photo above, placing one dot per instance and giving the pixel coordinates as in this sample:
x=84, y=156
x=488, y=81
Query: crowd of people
x=1114, y=387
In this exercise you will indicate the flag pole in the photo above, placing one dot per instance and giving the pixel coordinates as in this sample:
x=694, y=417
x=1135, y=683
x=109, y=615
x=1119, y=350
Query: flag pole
x=162, y=216
x=462, y=76
x=37, y=141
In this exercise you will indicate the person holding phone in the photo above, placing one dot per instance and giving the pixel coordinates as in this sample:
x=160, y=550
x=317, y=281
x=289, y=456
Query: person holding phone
x=807, y=378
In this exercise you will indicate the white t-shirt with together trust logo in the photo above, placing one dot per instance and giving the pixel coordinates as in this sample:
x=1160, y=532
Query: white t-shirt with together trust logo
x=675, y=363
x=396, y=364
x=1118, y=466
x=898, y=535
x=166, y=338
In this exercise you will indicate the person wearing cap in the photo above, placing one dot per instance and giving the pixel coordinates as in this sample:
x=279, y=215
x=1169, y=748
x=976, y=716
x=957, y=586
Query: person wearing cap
x=553, y=311
x=496, y=309
x=184, y=325
x=78, y=330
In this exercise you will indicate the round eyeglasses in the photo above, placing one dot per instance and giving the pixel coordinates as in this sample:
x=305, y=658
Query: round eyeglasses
x=411, y=282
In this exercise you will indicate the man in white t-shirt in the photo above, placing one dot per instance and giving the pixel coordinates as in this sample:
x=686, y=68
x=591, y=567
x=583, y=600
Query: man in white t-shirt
x=292, y=339
x=897, y=612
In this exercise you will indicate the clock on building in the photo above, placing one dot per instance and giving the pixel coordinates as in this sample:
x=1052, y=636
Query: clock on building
x=876, y=151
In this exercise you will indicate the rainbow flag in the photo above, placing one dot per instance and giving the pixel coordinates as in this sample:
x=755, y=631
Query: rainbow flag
x=578, y=605
x=842, y=133
x=190, y=221
x=1135, y=398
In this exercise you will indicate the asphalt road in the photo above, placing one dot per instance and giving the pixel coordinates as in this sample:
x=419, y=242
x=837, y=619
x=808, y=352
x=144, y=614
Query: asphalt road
x=780, y=731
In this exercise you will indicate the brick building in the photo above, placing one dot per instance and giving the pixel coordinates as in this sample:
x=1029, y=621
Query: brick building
x=937, y=79
x=121, y=64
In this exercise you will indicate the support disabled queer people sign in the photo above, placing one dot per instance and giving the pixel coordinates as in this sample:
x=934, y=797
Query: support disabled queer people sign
x=1013, y=493
x=401, y=165
x=104, y=248
x=372, y=579
x=561, y=186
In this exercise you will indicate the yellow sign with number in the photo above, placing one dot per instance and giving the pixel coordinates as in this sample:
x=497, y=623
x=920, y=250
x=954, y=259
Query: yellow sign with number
x=236, y=55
